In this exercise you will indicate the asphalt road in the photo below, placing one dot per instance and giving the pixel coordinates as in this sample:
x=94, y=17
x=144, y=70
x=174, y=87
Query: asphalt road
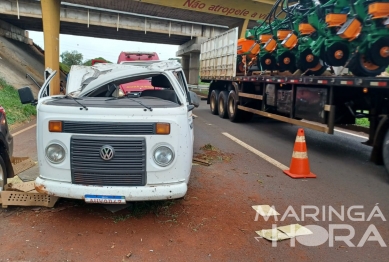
x=345, y=178
x=220, y=199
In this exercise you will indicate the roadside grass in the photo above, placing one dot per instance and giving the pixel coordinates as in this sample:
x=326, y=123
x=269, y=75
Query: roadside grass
x=64, y=68
x=203, y=83
x=9, y=99
x=362, y=122
x=202, y=92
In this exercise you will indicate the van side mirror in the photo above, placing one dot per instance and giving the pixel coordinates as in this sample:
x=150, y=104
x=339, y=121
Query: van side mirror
x=26, y=96
x=194, y=99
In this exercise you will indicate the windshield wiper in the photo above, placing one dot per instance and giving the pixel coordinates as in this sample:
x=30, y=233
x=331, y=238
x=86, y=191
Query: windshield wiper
x=76, y=100
x=116, y=98
x=149, y=108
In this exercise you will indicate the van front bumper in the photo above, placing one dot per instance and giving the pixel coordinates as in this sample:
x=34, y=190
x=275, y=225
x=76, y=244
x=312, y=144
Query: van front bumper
x=141, y=193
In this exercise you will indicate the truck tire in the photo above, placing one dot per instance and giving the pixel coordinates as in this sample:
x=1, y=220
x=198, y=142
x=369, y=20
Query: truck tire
x=222, y=104
x=385, y=153
x=232, y=107
x=3, y=174
x=234, y=114
x=213, y=101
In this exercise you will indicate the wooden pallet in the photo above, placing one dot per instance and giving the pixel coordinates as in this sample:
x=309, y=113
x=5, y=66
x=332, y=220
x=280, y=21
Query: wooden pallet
x=20, y=164
x=15, y=198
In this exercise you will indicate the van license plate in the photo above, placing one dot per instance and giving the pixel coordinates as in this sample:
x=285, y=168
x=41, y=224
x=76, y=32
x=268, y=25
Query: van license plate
x=101, y=199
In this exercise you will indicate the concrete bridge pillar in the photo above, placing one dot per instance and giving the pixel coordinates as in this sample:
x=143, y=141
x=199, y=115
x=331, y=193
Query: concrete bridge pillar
x=185, y=62
x=51, y=24
x=194, y=68
x=190, y=59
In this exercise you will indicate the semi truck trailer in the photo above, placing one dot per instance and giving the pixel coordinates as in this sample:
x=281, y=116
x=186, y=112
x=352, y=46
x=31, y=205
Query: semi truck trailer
x=316, y=102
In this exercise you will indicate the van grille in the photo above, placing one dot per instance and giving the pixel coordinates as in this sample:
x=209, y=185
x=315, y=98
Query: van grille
x=126, y=168
x=111, y=128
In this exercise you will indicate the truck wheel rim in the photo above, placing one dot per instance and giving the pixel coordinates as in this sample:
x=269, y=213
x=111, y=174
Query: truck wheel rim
x=221, y=105
x=213, y=102
x=231, y=106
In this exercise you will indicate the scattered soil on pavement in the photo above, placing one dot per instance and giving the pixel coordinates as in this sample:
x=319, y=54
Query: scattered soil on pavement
x=213, y=221
x=212, y=154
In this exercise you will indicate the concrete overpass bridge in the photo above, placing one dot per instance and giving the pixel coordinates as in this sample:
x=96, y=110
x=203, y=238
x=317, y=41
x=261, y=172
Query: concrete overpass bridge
x=179, y=22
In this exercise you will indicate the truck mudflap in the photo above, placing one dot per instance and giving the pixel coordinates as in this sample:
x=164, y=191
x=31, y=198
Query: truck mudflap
x=141, y=193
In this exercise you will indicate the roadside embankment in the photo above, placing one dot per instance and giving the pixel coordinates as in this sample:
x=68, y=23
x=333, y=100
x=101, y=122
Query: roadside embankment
x=15, y=111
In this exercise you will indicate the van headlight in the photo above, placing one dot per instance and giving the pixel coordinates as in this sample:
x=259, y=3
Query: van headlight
x=55, y=153
x=163, y=155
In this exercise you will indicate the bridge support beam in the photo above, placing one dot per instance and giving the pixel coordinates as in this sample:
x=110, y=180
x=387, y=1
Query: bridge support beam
x=51, y=25
x=185, y=62
x=190, y=59
x=194, y=68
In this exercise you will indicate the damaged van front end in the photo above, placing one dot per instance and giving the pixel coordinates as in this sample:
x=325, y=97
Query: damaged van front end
x=105, y=147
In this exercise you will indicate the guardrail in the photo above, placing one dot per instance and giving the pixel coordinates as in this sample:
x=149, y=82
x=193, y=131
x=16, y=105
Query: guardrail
x=198, y=87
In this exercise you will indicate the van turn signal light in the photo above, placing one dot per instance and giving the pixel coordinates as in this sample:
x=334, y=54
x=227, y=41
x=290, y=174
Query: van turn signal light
x=162, y=128
x=55, y=126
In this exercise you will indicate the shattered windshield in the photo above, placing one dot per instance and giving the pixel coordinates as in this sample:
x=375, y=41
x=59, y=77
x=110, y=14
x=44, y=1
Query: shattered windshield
x=144, y=86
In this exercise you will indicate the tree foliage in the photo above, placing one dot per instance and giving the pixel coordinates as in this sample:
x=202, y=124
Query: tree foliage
x=71, y=58
x=89, y=62
x=178, y=59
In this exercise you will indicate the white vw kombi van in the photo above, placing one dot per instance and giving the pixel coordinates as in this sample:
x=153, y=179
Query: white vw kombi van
x=97, y=144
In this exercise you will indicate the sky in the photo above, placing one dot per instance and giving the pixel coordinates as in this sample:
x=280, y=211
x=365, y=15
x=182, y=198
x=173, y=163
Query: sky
x=109, y=49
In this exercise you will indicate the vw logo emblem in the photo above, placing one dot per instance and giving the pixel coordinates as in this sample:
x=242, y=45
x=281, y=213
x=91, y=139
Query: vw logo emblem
x=107, y=152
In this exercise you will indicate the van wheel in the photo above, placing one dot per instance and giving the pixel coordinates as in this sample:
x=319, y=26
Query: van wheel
x=213, y=99
x=3, y=174
x=222, y=104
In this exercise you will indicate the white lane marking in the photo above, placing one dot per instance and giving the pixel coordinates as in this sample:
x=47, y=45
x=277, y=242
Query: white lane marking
x=21, y=131
x=194, y=115
x=257, y=152
x=351, y=134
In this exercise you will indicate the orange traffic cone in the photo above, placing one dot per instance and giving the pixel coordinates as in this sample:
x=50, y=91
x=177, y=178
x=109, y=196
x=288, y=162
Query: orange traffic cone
x=299, y=165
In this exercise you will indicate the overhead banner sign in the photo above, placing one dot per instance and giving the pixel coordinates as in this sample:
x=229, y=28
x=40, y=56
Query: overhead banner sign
x=245, y=9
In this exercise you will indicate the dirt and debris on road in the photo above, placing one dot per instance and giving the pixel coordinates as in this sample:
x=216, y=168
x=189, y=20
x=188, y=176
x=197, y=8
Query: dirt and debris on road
x=210, y=154
x=214, y=221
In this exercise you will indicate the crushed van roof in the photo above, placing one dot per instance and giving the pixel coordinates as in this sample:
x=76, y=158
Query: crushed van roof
x=88, y=77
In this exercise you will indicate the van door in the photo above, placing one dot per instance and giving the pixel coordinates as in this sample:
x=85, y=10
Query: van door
x=182, y=80
x=45, y=89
